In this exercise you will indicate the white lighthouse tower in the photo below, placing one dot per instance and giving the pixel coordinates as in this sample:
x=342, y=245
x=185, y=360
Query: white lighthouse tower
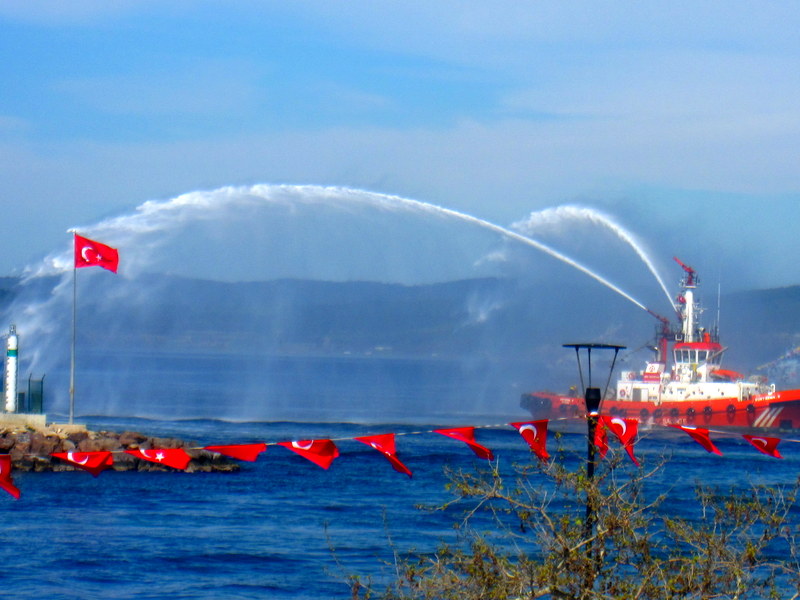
x=12, y=370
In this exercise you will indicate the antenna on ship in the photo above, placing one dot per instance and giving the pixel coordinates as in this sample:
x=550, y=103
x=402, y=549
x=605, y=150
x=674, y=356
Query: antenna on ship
x=719, y=309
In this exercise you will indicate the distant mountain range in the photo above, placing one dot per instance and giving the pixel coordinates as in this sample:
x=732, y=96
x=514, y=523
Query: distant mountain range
x=493, y=318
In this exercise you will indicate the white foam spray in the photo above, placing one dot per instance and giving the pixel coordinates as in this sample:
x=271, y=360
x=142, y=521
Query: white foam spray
x=551, y=217
x=161, y=217
x=143, y=238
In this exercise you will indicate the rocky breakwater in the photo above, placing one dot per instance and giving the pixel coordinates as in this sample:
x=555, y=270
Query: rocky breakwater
x=31, y=450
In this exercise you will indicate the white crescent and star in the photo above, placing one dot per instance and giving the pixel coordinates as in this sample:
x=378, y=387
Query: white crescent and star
x=531, y=428
x=379, y=449
x=621, y=423
x=760, y=441
x=88, y=258
x=71, y=457
x=301, y=446
x=159, y=455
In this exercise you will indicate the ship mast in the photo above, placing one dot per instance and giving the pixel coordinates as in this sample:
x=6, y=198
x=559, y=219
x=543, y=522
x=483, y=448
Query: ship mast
x=688, y=310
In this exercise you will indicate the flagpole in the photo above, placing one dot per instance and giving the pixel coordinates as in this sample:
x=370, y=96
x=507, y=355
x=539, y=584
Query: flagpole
x=72, y=354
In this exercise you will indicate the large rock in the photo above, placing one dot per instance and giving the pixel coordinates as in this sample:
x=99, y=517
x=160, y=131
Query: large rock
x=32, y=450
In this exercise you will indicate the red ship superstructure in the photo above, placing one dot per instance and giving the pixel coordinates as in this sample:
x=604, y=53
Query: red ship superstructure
x=688, y=386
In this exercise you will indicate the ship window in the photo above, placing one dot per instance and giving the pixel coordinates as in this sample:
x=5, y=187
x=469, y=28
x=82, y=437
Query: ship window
x=702, y=355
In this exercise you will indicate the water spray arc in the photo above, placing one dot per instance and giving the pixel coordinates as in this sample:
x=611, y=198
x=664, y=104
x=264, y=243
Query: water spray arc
x=157, y=229
x=556, y=215
x=432, y=208
x=153, y=216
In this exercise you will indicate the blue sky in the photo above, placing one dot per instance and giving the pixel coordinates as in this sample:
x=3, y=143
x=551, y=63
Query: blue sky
x=681, y=121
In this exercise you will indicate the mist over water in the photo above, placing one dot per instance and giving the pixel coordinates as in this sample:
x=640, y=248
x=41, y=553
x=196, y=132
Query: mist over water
x=188, y=328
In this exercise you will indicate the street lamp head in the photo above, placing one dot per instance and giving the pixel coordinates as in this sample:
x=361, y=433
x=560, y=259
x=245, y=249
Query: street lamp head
x=592, y=398
x=588, y=347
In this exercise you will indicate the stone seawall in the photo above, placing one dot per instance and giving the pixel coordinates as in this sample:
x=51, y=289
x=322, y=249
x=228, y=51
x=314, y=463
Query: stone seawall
x=30, y=449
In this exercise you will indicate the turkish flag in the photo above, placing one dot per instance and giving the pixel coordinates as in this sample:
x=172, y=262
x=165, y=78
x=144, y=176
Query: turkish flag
x=384, y=443
x=172, y=457
x=89, y=253
x=700, y=435
x=320, y=452
x=248, y=452
x=467, y=435
x=767, y=445
x=601, y=438
x=6, y=482
x=625, y=430
x=535, y=434
x=94, y=462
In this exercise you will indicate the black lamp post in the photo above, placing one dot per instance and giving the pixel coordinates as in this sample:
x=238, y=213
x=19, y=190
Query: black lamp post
x=592, y=396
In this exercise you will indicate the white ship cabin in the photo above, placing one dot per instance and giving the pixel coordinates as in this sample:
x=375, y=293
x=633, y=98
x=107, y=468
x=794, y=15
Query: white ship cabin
x=695, y=375
x=699, y=361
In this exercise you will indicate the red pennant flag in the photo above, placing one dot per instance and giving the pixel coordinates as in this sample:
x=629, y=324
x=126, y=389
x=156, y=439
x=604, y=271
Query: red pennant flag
x=248, y=452
x=467, y=435
x=94, y=462
x=601, y=437
x=384, y=443
x=320, y=452
x=625, y=430
x=535, y=434
x=6, y=482
x=700, y=435
x=172, y=457
x=89, y=253
x=766, y=445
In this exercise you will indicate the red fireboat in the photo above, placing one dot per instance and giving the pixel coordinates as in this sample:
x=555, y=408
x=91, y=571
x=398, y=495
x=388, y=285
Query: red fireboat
x=693, y=389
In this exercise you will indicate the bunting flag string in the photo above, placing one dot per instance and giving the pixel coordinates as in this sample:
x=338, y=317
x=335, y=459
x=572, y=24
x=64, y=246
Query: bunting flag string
x=384, y=443
x=320, y=452
x=6, y=482
x=700, y=435
x=535, y=434
x=765, y=445
x=467, y=435
x=94, y=462
x=323, y=452
x=601, y=438
x=245, y=452
x=176, y=458
x=626, y=431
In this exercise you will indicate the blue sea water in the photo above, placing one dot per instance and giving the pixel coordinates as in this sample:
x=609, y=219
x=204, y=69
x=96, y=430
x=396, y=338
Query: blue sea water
x=254, y=387
x=280, y=527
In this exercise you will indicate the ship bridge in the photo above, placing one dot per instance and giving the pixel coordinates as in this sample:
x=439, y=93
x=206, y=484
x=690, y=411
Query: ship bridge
x=696, y=361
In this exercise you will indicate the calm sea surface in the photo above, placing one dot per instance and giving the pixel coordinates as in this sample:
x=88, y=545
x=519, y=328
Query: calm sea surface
x=282, y=527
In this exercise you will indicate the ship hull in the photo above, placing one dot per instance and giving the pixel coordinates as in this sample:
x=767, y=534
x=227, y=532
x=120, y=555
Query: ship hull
x=777, y=410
